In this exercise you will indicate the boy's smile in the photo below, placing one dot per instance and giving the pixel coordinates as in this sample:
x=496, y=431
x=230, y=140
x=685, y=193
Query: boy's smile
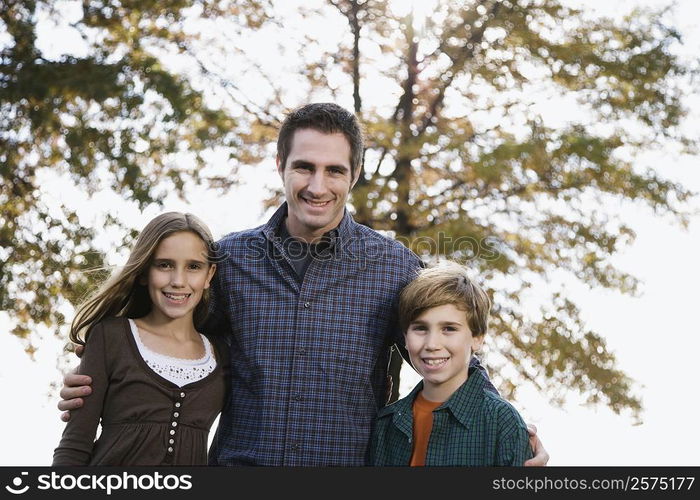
x=440, y=343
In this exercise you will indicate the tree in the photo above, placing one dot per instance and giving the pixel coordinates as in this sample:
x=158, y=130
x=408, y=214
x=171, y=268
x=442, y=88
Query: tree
x=465, y=165
x=464, y=160
x=116, y=117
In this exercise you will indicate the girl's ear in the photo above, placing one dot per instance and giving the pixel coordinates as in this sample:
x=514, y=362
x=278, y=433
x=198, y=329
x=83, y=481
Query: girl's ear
x=143, y=280
x=210, y=275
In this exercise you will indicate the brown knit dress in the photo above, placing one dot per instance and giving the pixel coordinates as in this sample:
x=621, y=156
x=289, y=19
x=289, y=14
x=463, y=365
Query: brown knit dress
x=146, y=419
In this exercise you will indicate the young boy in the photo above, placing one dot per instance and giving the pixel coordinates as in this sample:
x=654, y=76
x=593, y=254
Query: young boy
x=449, y=418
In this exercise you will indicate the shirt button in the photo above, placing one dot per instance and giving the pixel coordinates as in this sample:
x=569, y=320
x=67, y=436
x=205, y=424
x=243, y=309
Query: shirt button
x=172, y=432
x=174, y=424
x=176, y=414
x=297, y=397
x=170, y=449
x=307, y=304
x=296, y=446
x=182, y=394
x=177, y=405
x=171, y=441
x=301, y=350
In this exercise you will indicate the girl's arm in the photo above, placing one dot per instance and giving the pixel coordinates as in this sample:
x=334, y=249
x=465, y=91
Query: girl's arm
x=78, y=437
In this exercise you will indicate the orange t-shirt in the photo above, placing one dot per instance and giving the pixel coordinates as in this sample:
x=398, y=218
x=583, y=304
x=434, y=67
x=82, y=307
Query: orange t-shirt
x=422, y=426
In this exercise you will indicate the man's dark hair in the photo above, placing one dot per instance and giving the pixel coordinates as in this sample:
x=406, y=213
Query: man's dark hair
x=324, y=117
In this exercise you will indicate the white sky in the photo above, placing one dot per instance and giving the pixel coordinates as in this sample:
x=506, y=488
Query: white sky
x=655, y=337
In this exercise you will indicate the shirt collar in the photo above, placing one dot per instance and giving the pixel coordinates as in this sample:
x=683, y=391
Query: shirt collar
x=466, y=400
x=403, y=411
x=463, y=404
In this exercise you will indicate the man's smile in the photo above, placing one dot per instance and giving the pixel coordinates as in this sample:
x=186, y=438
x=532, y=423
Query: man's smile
x=316, y=203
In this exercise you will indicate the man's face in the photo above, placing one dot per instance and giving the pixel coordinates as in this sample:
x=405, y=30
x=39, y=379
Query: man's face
x=317, y=179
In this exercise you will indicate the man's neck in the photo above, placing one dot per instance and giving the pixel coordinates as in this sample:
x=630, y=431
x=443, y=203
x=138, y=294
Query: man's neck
x=307, y=237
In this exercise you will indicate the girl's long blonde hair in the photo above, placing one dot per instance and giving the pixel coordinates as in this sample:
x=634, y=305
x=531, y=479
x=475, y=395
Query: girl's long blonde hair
x=122, y=294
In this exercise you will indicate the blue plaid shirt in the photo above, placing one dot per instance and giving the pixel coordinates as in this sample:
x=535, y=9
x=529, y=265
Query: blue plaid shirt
x=308, y=358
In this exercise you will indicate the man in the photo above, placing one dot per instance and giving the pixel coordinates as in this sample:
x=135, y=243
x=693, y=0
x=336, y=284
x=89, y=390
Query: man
x=308, y=303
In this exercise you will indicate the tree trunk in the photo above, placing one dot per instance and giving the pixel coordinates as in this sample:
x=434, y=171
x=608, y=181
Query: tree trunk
x=402, y=175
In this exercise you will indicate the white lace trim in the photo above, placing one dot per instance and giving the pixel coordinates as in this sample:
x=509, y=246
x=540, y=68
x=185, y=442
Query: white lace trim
x=179, y=371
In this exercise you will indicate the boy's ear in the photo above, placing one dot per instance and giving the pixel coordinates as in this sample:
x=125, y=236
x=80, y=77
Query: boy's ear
x=478, y=343
x=404, y=352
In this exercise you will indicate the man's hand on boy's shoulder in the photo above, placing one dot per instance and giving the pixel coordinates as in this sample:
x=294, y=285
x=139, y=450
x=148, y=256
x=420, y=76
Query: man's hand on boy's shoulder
x=74, y=386
x=541, y=456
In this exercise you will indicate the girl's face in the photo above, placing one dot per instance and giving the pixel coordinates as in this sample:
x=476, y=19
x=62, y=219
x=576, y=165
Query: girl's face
x=178, y=275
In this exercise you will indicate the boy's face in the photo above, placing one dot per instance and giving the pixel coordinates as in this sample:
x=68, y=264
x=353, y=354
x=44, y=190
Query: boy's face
x=440, y=344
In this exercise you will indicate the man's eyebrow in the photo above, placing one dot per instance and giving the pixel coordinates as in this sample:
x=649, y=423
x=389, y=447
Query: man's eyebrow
x=342, y=167
x=302, y=163
x=305, y=163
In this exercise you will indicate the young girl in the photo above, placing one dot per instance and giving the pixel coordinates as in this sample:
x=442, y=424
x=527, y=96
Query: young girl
x=158, y=384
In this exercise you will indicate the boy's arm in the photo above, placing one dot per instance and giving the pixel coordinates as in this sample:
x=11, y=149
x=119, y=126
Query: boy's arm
x=513, y=442
x=78, y=436
x=541, y=457
x=376, y=453
x=474, y=362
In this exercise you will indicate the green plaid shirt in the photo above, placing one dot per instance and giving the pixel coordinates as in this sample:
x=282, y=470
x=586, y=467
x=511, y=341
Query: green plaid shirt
x=475, y=427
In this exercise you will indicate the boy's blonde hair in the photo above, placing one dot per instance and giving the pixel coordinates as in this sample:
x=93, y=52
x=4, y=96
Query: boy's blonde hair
x=445, y=283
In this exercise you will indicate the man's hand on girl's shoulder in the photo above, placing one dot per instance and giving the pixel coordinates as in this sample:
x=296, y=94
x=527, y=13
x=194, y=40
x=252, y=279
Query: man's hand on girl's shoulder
x=75, y=386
